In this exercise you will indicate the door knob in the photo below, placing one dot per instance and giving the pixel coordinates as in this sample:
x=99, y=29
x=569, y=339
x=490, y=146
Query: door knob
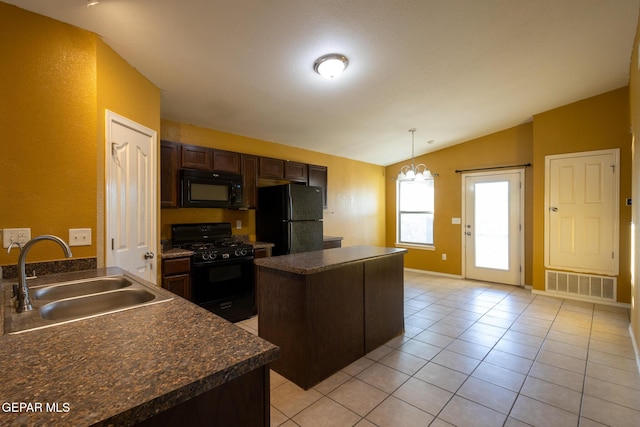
x=553, y=209
x=468, y=233
x=149, y=255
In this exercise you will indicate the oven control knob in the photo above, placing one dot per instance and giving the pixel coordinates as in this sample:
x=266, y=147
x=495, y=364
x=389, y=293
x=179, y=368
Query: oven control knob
x=241, y=252
x=213, y=255
x=205, y=256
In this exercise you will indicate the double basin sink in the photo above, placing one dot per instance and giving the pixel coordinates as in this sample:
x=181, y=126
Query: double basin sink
x=65, y=302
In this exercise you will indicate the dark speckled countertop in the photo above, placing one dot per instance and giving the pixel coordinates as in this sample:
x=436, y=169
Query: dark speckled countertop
x=124, y=367
x=317, y=261
x=175, y=253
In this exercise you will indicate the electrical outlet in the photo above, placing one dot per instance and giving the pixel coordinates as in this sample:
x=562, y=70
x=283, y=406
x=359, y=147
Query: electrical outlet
x=79, y=237
x=19, y=235
x=444, y=257
x=238, y=224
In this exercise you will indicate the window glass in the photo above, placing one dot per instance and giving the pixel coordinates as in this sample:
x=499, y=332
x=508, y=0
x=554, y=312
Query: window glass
x=415, y=212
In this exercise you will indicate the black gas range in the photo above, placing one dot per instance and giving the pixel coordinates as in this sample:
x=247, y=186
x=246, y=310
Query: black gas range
x=222, y=271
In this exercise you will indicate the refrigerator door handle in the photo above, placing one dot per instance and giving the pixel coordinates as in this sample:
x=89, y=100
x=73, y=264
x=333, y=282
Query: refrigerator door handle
x=290, y=200
x=289, y=236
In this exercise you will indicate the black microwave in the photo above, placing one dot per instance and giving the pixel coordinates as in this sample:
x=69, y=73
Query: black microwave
x=203, y=189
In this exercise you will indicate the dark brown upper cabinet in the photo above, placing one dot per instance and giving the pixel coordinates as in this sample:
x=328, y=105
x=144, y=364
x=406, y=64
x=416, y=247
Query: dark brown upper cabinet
x=175, y=156
x=269, y=168
x=295, y=171
x=227, y=161
x=250, y=180
x=195, y=157
x=318, y=178
x=169, y=170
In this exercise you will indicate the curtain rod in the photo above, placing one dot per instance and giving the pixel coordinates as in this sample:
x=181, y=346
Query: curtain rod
x=526, y=165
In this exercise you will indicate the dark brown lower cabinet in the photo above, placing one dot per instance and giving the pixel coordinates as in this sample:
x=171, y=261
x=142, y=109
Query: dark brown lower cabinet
x=326, y=320
x=176, y=276
x=243, y=401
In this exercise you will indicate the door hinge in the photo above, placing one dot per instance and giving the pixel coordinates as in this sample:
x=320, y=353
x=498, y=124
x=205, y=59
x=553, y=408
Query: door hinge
x=113, y=244
x=613, y=255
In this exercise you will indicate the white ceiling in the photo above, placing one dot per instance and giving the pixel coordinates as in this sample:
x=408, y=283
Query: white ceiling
x=453, y=69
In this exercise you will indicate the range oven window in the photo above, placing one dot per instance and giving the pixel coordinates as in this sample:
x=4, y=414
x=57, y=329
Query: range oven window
x=212, y=282
x=209, y=192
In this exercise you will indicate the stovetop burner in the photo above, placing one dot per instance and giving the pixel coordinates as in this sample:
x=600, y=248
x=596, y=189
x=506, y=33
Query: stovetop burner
x=210, y=242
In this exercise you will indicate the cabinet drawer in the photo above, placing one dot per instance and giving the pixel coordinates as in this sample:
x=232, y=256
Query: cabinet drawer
x=176, y=266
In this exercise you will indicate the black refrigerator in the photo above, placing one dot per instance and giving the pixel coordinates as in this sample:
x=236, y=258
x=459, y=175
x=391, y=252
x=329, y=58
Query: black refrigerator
x=290, y=217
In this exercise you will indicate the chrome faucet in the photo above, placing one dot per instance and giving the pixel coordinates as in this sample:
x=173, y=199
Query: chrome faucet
x=24, y=303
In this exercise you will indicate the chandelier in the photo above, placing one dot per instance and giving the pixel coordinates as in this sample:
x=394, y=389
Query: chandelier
x=411, y=172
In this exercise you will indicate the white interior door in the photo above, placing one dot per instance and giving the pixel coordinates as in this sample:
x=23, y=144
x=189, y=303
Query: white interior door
x=131, y=196
x=581, y=211
x=493, y=226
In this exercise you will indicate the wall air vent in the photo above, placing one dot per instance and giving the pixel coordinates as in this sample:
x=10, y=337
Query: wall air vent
x=584, y=286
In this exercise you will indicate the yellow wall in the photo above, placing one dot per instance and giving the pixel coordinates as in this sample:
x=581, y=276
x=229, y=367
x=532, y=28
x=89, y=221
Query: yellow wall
x=634, y=102
x=594, y=123
x=56, y=82
x=509, y=147
x=47, y=129
x=355, y=189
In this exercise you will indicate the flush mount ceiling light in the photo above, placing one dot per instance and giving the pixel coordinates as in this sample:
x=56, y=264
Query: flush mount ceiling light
x=92, y=3
x=331, y=65
x=411, y=172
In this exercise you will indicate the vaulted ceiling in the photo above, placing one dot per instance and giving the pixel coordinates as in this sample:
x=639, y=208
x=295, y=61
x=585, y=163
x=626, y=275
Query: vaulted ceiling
x=453, y=69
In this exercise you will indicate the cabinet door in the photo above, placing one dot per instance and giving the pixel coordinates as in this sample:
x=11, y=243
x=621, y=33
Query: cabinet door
x=179, y=284
x=226, y=161
x=294, y=171
x=169, y=179
x=318, y=178
x=194, y=157
x=271, y=168
x=250, y=180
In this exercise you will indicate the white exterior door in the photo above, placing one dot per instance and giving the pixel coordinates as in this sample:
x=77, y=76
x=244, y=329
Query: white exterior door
x=493, y=226
x=581, y=211
x=131, y=196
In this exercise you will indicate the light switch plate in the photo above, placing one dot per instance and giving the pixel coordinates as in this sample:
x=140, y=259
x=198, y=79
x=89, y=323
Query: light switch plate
x=20, y=235
x=455, y=221
x=79, y=237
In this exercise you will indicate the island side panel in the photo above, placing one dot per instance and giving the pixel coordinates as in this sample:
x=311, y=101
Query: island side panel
x=282, y=319
x=335, y=321
x=383, y=300
x=243, y=401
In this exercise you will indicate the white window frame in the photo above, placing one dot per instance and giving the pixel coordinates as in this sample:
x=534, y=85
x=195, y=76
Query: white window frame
x=419, y=245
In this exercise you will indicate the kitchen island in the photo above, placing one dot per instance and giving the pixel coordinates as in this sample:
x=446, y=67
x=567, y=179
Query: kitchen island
x=325, y=309
x=170, y=363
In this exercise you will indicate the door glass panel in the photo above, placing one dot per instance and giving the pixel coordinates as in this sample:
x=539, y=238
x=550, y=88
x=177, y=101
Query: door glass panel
x=492, y=225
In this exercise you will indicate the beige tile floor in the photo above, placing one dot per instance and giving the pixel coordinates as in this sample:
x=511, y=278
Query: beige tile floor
x=479, y=354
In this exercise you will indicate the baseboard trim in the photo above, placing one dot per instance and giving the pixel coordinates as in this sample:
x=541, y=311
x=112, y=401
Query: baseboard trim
x=574, y=298
x=434, y=273
x=635, y=347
